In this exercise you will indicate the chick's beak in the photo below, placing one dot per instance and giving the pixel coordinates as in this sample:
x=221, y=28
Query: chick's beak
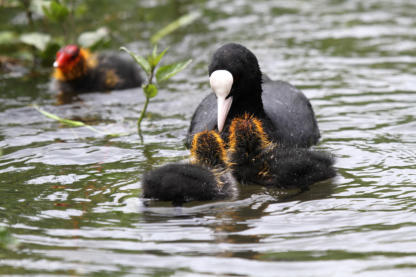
x=59, y=61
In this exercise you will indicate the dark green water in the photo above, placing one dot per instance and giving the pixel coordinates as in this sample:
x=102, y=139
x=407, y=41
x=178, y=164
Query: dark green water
x=71, y=196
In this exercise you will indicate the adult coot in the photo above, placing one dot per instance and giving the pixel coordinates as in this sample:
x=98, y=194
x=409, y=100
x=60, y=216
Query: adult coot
x=235, y=77
x=77, y=71
x=255, y=160
x=206, y=177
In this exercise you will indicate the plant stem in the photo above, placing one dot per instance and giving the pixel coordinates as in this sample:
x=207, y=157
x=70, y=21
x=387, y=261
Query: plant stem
x=28, y=12
x=142, y=114
x=146, y=103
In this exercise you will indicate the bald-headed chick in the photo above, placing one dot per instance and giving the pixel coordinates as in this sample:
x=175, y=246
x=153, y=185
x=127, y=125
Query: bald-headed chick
x=76, y=70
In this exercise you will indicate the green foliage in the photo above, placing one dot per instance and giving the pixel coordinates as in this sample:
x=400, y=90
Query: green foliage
x=56, y=11
x=167, y=71
x=155, y=58
x=150, y=64
x=8, y=38
x=141, y=61
x=150, y=90
x=72, y=123
x=39, y=41
x=94, y=39
x=163, y=73
x=178, y=23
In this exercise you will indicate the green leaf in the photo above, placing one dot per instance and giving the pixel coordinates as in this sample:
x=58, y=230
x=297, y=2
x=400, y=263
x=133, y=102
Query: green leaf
x=39, y=40
x=10, y=3
x=48, y=55
x=154, y=53
x=160, y=56
x=178, y=23
x=167, y=71
x=38, y=6
x=91, y=39
x=139, y=59
x=69, y=122
x=57, y=118
x=80, y=10
x=155, y=58
x=56, y=11
x=8, y=37
x=150, y=90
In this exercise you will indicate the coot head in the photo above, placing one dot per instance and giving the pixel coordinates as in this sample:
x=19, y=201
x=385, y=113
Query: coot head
x=235, y=78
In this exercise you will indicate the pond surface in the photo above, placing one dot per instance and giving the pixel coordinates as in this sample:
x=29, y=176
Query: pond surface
x=71, y=196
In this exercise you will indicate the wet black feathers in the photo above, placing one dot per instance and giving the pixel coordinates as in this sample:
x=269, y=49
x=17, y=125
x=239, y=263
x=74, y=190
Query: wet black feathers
x=254, y=160
x=206, y=179
x=181, y=183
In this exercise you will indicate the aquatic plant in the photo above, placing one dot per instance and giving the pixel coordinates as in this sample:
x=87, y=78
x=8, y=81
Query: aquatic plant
x=150, y=64
x=72, y=123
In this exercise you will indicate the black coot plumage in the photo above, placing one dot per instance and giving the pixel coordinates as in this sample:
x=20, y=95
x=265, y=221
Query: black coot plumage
x=235, y=77
x=78, y=71
x=255, y=160
x=206, y=177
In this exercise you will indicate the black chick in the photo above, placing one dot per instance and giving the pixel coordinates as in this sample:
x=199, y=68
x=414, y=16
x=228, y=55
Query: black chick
x=206, y=177
x=78, y=71
x=254, y=159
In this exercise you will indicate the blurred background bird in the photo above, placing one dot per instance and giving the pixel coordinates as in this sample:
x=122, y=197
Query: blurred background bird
x=77, y=70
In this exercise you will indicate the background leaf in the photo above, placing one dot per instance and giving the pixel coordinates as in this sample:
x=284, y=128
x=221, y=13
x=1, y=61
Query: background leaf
x=56, y=11
x=39, y=40
x=93, y=39
x=167, y=71
x=8, y=37
x=150, y=90
x=139, y=59
x=180, y=22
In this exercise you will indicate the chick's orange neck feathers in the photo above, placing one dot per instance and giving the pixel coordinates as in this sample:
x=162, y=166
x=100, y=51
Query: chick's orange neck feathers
x=247, y=130
x=208, y=149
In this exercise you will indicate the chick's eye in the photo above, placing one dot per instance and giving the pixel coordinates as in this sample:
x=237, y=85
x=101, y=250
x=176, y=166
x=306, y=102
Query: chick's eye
x=73, y=54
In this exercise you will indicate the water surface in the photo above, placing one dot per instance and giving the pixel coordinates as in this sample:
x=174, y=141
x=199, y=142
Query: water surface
x=71, y=196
